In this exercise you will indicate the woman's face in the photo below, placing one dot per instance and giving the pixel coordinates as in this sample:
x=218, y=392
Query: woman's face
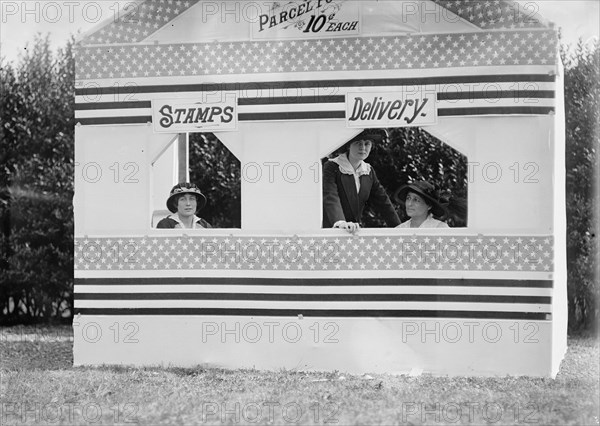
x=359, y=150
x=416, y=206
x=186, y=205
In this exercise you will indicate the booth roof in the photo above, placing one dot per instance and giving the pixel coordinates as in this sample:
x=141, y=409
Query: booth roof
x=143, y=21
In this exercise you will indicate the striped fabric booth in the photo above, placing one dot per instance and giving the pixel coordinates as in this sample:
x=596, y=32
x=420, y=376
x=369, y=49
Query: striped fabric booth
x=283, y=85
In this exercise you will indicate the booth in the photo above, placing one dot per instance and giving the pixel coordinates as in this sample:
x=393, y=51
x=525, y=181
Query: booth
x=282, y=85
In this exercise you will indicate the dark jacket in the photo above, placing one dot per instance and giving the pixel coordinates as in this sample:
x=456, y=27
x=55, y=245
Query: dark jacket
x=341, y=202
x=168, y=223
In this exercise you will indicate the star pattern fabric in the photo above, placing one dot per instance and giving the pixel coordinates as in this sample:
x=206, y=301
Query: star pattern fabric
x=437, y=51
x=138, y=21
x=394, y=253
x=494, y=14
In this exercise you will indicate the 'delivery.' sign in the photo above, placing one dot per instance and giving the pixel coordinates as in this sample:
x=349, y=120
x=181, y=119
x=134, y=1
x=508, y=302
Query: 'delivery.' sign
x=391, y=109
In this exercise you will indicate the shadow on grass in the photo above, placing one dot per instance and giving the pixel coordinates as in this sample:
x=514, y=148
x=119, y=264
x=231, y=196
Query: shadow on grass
x=51, y=348
x=36, y=347
x=179, y=395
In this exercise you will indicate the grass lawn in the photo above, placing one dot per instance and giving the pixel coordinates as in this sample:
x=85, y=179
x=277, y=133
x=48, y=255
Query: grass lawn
x=40, y=386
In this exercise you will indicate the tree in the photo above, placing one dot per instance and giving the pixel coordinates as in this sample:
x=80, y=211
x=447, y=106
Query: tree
x=217, y=172
x=37, y=184
x=582, y=115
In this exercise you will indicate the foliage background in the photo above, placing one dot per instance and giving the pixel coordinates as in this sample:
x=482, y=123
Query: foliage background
x=36, y=176
x=36, y=181
x=216, y=171
x=582, y=111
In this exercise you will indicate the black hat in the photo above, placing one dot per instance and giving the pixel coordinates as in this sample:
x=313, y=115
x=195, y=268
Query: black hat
x=185, y=188
x=373, y=135
x=427, y=191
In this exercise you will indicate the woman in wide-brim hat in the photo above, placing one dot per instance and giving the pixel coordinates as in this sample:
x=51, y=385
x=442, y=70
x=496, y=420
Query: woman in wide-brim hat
x=423, y=205
x=185, y=200
x=350, y=184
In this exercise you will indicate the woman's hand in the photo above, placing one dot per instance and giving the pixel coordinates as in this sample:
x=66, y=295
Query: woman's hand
x=351, y=227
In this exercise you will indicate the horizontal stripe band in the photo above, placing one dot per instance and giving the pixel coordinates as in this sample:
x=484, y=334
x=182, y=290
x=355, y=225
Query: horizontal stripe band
x=320, y=115
x=448, y=112
x=317, y=282
x=112, y=105
x=292, y=115
x=298, y=84
x=339, y=313
x=114, y=120
x=317, y=297
x=310, y=305
x=340, y=99
x=278, y=100
x=322, y=93
x=299, y=289
x=121, y=81
x=496, y=94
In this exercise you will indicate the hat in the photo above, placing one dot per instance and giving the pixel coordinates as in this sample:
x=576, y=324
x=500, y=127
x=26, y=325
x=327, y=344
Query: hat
x=427, y=191
x=185, y=188
x=373, y=135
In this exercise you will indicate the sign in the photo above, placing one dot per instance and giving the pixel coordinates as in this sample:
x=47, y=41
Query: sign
x=308, y=19
x=391, y=109
x=188, y=115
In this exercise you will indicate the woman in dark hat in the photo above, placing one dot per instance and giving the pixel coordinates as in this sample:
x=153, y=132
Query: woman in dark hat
x=185, y=200
x=349, y=183
x=422, y=203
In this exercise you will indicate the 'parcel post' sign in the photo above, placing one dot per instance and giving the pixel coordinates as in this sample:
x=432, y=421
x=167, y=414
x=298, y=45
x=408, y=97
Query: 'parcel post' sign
x=187, y=115
x=307, y=19
x=391, y=109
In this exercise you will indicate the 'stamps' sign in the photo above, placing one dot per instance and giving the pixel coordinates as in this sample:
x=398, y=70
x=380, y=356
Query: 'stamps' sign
x=391, y=109
x=186, y=115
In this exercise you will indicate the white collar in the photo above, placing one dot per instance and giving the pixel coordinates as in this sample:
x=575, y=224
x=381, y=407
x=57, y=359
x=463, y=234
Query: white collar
x=427, y=220
x=175, y=217
x=346, y=168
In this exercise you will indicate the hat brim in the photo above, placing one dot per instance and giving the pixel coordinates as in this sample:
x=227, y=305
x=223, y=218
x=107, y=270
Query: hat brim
x=370, y=135
x=438, y=209
x=200, y=200
x=375, y=138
